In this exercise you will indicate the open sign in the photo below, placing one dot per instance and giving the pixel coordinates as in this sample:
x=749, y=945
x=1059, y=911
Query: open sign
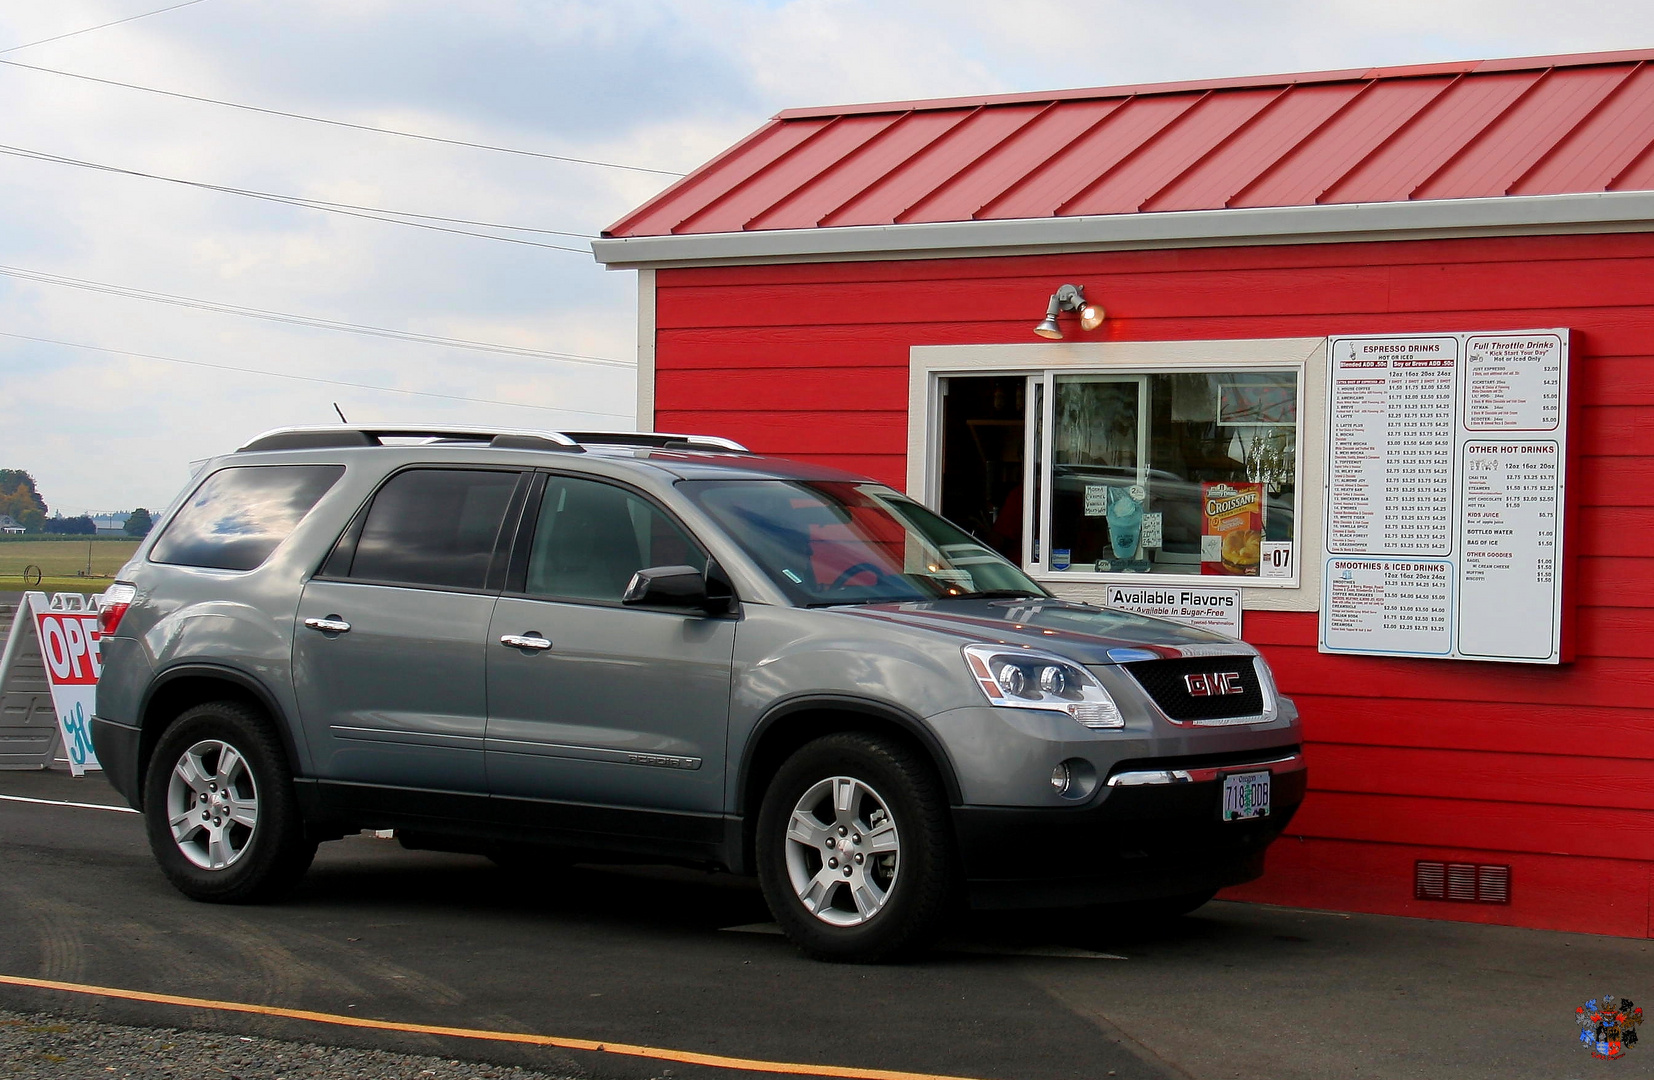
x=69, y=646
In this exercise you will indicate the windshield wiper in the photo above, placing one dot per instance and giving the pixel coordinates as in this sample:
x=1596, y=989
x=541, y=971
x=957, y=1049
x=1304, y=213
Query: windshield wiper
x=997, y=594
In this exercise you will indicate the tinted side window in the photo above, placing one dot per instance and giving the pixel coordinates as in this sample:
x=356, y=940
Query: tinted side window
x=592, y=537
x=238, y=516
x=434, y=527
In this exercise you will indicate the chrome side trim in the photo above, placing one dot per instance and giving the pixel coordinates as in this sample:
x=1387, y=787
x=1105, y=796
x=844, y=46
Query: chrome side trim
x=527, y=748
x=1203, y=774
x=404, y=735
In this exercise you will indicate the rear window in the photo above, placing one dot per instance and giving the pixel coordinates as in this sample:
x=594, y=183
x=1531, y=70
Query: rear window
x=434, y=527
x=240, y=515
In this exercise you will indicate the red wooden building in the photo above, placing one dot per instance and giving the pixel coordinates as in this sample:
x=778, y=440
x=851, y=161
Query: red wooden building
x=859, y=286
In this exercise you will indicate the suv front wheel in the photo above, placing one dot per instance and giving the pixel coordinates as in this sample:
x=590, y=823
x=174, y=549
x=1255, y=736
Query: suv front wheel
x=219, y=807
x=853, y=849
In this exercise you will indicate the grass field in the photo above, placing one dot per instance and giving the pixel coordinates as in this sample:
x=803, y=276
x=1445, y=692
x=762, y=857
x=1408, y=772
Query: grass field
x=61, y=562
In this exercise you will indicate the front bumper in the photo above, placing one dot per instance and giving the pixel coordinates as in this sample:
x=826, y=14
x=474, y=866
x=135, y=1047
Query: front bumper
x=1157, y=832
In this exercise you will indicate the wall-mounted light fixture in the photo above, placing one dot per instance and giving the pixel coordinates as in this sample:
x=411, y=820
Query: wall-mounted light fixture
x=1068, y=298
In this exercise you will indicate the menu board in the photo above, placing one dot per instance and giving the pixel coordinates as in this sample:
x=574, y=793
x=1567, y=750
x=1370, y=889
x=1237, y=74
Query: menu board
x=1445, y=485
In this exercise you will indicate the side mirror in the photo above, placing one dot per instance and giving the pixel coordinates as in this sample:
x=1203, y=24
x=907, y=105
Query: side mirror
x=681, y=587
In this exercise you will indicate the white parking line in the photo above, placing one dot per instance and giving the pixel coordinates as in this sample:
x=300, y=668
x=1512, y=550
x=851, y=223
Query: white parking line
x=77, y=805
x=1062, y=952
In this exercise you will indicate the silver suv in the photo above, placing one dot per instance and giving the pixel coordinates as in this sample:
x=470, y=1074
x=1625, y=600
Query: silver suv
x=545, y=647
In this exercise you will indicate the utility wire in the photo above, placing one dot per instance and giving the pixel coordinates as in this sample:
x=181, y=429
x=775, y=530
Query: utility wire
x=106, y=288
x=100, y=26
x=339, y=123
x=304, y=378
x=370, y=213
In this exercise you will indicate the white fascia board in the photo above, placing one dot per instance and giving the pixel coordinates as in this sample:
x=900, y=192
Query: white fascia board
x=1612, y=211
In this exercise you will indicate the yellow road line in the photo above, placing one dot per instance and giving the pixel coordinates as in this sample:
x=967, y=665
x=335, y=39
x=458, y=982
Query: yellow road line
x=684, y=1056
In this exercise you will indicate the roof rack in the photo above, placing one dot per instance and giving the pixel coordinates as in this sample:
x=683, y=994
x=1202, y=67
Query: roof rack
x=658, y=440
x=338, y=435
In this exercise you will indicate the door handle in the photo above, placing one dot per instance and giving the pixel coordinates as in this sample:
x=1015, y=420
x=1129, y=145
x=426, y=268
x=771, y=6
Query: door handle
x=330, y=625
x=528, y=641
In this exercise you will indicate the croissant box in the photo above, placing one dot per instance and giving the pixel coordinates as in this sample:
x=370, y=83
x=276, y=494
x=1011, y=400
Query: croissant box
x=1231, y=528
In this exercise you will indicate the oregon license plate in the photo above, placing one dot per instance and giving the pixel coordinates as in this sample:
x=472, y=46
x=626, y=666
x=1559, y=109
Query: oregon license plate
x=1245, y=795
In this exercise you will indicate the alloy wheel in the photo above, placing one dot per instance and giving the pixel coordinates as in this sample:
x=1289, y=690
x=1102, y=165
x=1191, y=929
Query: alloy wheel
x=843, y=851
x=212, y=804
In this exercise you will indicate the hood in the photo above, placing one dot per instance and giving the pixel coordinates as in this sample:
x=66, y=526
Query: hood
x=1091, y=635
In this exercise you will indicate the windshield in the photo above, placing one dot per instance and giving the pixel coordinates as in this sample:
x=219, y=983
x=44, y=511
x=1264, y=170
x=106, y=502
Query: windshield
x=839, y=542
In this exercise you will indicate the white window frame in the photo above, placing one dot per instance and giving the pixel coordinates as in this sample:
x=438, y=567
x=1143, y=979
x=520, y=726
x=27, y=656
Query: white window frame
x=928, y=365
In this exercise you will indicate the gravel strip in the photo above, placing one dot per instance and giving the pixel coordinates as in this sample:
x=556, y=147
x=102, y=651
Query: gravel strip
x=39, y=1046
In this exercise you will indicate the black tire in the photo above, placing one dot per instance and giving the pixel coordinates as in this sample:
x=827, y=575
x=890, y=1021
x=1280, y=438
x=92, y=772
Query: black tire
x=260, y=862
x=917, y=885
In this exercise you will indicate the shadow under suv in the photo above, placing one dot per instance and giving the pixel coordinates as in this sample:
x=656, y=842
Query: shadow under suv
x=641, y=647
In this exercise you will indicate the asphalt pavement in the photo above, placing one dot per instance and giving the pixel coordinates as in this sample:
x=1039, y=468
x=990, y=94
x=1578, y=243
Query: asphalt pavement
x=687, y=963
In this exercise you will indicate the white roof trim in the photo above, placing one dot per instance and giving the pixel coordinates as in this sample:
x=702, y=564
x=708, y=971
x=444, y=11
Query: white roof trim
x=1613, y=211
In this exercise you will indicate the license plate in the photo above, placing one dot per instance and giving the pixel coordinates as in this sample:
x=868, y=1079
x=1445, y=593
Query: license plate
x=1245, y=795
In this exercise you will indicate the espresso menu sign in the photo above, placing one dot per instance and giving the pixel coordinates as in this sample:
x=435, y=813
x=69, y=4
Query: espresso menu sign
x=1445, y=470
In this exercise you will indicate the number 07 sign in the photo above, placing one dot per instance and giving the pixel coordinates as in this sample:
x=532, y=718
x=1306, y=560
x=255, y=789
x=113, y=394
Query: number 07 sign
x=69, y=653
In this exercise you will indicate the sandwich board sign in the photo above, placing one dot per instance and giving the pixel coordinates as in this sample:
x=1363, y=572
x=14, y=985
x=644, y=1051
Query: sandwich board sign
x=65, y=629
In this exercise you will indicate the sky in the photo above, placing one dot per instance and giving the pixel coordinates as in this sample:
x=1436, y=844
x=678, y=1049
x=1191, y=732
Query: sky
x=649, y=84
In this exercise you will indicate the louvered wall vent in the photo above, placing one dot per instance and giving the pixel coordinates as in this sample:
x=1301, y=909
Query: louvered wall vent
x=1464, y=883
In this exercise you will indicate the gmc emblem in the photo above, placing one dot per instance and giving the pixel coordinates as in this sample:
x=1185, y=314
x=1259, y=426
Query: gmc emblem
x=1214, y=684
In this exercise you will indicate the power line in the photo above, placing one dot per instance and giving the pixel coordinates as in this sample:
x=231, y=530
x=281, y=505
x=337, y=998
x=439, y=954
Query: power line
x=106, y=288
x=339, y=123
x=369, y=213
x=100, y=26
x=305, y=378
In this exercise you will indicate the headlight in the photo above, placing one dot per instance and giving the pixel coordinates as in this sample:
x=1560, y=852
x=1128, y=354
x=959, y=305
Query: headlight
x=1020, y=679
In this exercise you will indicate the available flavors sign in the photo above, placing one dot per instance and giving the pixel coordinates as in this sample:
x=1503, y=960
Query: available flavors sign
x=1207, y=608
x=1445, y=489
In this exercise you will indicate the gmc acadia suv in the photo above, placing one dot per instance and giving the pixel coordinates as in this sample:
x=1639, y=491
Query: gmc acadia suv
x=640, y=647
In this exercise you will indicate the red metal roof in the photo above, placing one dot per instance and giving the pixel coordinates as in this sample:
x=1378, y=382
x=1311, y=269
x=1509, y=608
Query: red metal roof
x=1534, y=126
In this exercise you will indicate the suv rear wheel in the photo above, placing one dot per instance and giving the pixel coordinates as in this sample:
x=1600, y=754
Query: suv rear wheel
x=854, y=854
x=219, y=807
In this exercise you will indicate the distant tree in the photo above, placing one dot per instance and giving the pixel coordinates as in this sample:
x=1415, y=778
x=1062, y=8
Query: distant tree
x=18, y=495
x=138, y=523
x=72, y=526
x=32, y=520
x=12, y=479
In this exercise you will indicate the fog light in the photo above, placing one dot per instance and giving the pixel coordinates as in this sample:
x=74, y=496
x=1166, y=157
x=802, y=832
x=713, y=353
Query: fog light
x=1074, y=779
x=1061, y=778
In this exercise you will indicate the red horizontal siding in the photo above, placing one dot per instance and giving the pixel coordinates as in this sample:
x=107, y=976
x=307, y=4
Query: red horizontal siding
x=1548, y=892
x=828, y=389
x=1527, y=780
x=1547, y=768
x=1420, y=290
x=1549, y=731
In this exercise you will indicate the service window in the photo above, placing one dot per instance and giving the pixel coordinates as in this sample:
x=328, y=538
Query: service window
x=1113, y=462
x=591, y=537
x=1185, y=473
x=434, y=527
x=239, y=515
